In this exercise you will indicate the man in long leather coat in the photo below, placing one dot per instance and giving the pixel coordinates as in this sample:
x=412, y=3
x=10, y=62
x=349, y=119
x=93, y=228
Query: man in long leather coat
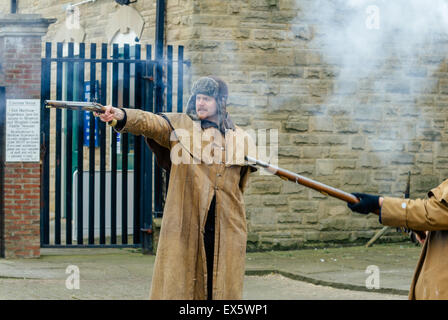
x=431, y=215
x=202, y=244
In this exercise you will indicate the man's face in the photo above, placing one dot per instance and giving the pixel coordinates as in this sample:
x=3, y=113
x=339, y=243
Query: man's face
x=206, y=107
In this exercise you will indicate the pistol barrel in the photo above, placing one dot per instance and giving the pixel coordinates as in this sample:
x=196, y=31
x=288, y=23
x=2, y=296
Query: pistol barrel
x=78, y=106
x=75, y=105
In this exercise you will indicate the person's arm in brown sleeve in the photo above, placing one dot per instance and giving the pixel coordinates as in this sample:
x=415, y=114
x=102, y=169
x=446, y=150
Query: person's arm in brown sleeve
x=420, y=214
x=139, y=122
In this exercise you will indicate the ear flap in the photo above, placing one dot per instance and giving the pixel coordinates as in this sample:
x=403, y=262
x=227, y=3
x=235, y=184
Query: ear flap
x=191, y=107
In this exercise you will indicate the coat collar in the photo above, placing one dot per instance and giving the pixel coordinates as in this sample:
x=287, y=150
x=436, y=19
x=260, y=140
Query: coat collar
x=206, y=145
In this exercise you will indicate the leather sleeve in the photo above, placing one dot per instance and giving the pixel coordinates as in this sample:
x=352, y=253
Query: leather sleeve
x=429, y=214
x=150, y=125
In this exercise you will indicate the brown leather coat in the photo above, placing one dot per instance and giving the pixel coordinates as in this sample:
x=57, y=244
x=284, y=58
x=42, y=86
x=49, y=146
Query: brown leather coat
x=180, y=270
x=431, y=214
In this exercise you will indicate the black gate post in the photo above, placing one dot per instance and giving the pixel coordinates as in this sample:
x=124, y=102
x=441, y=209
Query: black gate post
x=2, y=168
x=13, y=6
x=146, y=161
x=159, y=182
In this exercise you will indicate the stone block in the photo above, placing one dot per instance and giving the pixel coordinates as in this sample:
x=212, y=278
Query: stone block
x=298, y=191
x=315, y=152
x=302, y=32
x=329, y=166
x=287, y=151
x=202, y=45
x=258, y=76
x=262, y=4
x=301, y=58
x=286, y=72
x=415, y=146
x=346, y=126
x=253, y=237
x=310, y=218
x=441, y=149
x=372, y=113
x=262, y=216
x=275, y=201
x=430, y=135
x=238, y=77
x=269, y=89
x=337, y=210
x=384, y=175
x=312, y=73
x=296, y=123
x=289, y=103
x=332, y=140
x=403, y=158
x=441, y=163
x=241, y=120
x=398, y=87
x=259, y=45
x=443, y=86
x=304, y=139
x=319, y=124
x=334, y=236
x=294, y=217
x=312, y=236
x=264, y=187
x=425, y=183
x=303, y=206
x=358, y=142
x=283, y=16
x=355, y=177
x=424, y=158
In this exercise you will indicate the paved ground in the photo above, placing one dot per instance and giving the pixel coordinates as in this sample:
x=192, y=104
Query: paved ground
x=321, y=274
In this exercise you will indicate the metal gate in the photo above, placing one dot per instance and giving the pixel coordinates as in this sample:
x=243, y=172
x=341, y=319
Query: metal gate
x=100, y=188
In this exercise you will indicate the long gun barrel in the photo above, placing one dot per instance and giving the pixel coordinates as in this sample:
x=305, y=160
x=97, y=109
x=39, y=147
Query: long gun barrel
x=78, y=105
x=323, y=188
x=294, y=177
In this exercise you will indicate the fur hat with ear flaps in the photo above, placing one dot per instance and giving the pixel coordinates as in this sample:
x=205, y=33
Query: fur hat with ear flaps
x=216, y=88
x=210, y=86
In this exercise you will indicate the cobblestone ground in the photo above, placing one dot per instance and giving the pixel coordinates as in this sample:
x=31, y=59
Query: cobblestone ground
x=270, y=287
x=126, y=274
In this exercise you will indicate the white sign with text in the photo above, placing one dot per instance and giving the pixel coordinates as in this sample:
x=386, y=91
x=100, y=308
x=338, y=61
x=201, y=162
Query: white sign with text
x=22, y=130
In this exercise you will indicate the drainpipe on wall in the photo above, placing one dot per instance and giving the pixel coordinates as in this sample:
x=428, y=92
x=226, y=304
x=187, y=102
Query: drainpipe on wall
x=159, y=36
x=159, y=178
x=13, y=6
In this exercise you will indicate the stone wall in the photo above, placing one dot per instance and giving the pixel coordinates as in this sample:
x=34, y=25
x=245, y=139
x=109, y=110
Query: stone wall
x=5, y=7
x=270, y=53
x=279, y=81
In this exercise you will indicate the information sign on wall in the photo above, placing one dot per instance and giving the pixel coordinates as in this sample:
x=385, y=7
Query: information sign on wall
x=22, y=130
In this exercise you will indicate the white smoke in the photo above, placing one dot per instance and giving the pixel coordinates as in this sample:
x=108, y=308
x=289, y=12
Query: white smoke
x=384, y=56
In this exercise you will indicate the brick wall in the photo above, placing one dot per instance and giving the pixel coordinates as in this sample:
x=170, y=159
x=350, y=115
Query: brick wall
x=20, y=75
x=22, y=209
x=22, y=67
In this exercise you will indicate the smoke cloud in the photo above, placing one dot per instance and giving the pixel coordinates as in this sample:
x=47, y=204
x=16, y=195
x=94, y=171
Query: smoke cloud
x=385, y=57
